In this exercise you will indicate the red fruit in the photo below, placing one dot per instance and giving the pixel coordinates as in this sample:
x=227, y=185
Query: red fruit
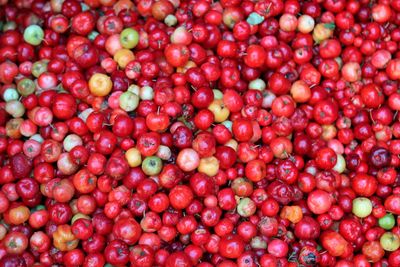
x=231, y=246
x=232, y=100
x=177, y=54
x=21, y=166
x=373, y=251
x=364, y=185
x=372, y=96
x=319, y=201
x=178, y=258
x=392, y=204
x=127, y=230
x=141, y=255
x=307, y=228
x=64, y=106
x=292, y=105
x=255, y=56
x=8, y=71
x=326, y=158
x=325, y=112
x=180, y=196
x=334, y=243
x=242, y=130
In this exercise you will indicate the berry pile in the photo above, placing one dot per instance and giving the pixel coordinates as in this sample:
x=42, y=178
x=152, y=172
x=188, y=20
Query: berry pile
x=199, y=133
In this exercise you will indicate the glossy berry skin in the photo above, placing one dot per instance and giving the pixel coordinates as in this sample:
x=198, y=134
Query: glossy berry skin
x=199, y=133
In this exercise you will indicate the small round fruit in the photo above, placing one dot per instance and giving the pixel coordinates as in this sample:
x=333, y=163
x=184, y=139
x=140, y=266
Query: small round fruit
x=390, y=241
x=209, y=166
x=362, y=207
x=188, y=159
x=305, y=24
x=33, y=35
x=100, y=84
x=152, y=165
x=128, y=101
x=319, y=201
x=220, y=111
x=133, y=157
x=387, y=222
x=129, y=38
